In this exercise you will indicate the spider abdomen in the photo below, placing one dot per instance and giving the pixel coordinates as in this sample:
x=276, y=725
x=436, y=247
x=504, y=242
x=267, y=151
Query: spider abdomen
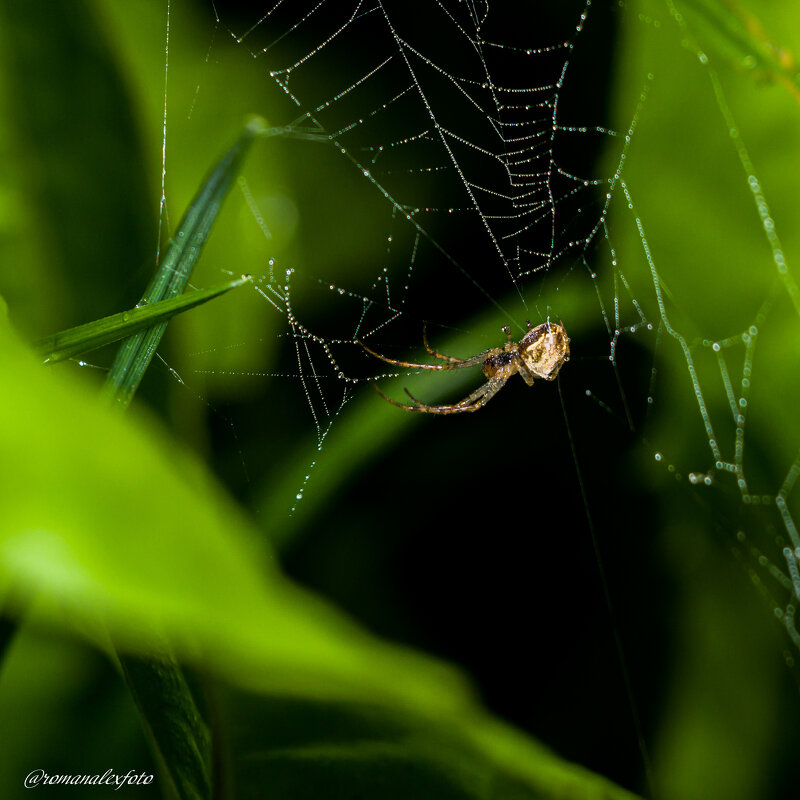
x=545, y=349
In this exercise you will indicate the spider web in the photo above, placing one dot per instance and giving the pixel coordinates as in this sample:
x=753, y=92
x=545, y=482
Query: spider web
x=465, y=137
x=458, y=183
x=434, y=140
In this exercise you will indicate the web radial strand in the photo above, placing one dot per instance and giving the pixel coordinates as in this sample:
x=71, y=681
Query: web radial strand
x=480, y=113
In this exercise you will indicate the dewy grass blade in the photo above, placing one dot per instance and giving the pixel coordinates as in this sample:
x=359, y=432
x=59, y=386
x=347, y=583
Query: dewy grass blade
x=172, y=276
x=84, y=338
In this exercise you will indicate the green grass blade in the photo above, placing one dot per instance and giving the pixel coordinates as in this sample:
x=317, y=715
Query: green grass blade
x=84, y=338
x=165, y=703
x=173, y=274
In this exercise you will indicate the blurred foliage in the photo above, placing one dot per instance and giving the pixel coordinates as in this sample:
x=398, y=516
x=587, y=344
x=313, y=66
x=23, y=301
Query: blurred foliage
x=425, y=531
x=720, y=83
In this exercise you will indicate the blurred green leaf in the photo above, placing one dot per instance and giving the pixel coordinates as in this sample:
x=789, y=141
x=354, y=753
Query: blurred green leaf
x=287, y=747
x=84, y=338
x=105, y=520
x=74, y=182
x=708, y=715
x=711, y=174
x=737, y=32
x=108, y=526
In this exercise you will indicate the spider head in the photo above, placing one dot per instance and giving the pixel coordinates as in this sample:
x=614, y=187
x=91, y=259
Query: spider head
x=544, y=350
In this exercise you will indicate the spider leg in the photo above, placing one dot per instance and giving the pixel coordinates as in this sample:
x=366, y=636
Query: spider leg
x=478, y=393
x=479, y=398
x=524, y=371
x=394, y=402
x=458, y=364
x=433, y=352
x=408, y=364
x=492, y=388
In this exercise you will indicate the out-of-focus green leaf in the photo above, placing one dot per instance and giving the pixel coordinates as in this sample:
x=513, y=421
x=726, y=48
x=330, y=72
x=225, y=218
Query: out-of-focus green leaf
x=707, y=715
x=84, y=338
x=711, y=174
x=292, y=748
x=737, y=31
x=102, y=523
x=106, y=529
x=74, y=182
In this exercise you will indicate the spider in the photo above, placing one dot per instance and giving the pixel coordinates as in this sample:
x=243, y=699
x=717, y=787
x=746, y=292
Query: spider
x=539, y=354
